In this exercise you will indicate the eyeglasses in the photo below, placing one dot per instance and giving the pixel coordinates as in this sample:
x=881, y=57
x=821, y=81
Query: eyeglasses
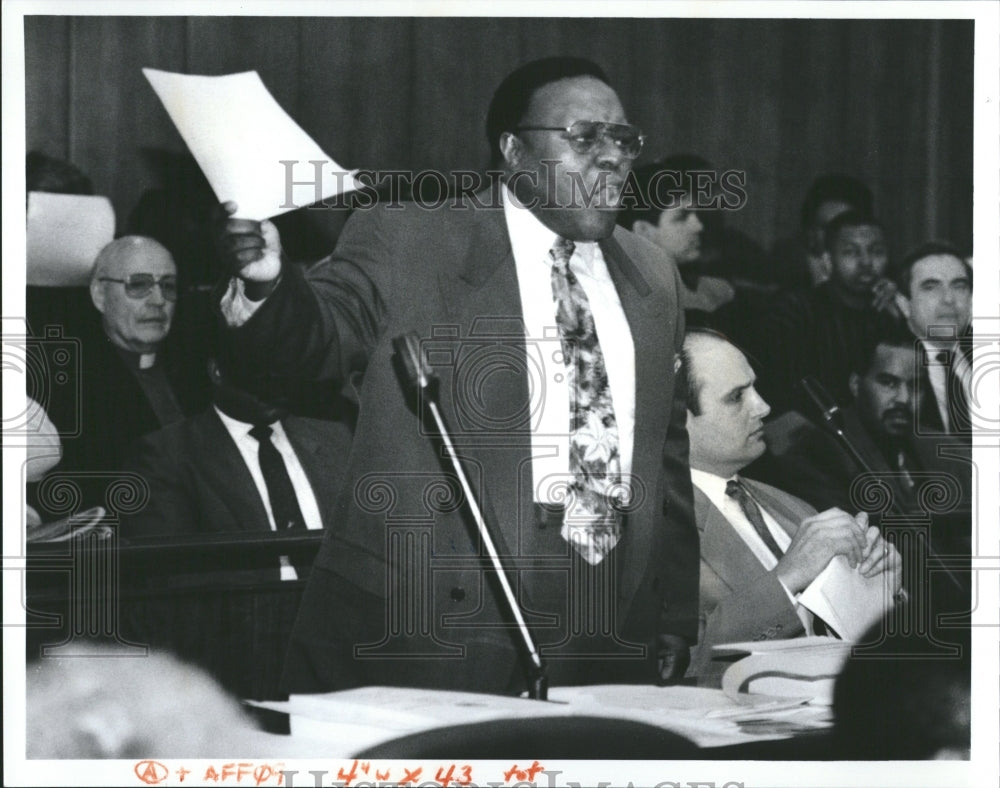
x=141, y=285
x=584, y=135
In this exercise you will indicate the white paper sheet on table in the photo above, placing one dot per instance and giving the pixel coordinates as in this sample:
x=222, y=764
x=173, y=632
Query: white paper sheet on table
x=239, y=135
x=361, y=718
x=65, y=233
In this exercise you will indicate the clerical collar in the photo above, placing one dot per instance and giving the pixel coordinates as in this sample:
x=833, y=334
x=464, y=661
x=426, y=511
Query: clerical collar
x=137, y=361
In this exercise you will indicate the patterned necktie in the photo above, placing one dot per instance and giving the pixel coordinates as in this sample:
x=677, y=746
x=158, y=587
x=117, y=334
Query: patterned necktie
x=735, y=489
x=591, y=525
x=284, y=503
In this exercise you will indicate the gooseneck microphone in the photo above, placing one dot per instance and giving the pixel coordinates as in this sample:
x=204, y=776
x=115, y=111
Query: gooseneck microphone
x=419, y=379
x=829, y=411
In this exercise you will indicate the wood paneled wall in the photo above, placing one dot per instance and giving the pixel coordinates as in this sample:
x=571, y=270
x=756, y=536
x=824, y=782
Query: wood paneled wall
x=889, y=101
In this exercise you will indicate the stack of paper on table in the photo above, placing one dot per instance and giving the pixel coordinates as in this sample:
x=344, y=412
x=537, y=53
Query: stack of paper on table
x=361, y=718
x=803, y=668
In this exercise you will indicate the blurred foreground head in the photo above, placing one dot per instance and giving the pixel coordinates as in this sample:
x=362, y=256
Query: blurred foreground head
x=904, y=696
x=102, y=704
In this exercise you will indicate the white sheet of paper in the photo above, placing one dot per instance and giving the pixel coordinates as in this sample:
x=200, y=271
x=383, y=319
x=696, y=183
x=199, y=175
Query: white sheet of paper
x=65, y=233
x=846, y=600
x=240, y=135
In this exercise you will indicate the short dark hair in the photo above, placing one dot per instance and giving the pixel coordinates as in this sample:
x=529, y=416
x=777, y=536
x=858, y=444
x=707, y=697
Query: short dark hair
x=904, y=272
x=512, y=97
x=43, y=173
x=646, y=206
x=836, y=188
x=844, y=221
x=891, y=332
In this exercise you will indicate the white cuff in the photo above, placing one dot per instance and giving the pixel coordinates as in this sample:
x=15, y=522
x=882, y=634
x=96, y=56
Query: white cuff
x=236, y=308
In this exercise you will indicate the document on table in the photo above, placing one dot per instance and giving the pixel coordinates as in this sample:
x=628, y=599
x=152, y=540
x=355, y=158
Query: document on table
x=249, y=148
x=65, y=233
x=805, y=669
x=364, y=717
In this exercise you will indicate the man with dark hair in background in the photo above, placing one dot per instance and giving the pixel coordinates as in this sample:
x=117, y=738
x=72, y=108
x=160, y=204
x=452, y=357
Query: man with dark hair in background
x=816, y=333
x=535, y=271
x=801, y=262
x=670, y=216
x=935, y=296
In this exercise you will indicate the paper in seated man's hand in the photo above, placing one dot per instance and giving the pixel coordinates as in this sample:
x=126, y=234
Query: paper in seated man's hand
x=251, y=250
x=818, y=539
x=672, y=659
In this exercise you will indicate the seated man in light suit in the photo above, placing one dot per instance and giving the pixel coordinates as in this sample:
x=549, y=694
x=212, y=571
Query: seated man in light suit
x=760, y=547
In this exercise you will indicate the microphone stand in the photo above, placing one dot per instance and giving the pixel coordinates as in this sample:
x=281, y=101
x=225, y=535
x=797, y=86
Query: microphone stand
x=419, y=377
x=829, y=411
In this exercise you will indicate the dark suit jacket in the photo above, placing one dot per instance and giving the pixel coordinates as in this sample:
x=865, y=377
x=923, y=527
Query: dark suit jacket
x=199, y=483
x=449, y=276
x=818, y=469
x=112, y=411
x=739, y=599
x=929, y=414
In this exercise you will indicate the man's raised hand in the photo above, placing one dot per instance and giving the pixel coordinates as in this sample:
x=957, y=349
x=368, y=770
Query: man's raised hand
x=251, y=250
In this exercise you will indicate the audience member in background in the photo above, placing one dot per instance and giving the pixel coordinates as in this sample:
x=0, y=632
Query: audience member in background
x=127, y=386
x=817, y=332
x=905, y=696
x=760, y=547
x=669, y=218
x=879, y=423
x=935, y=296
x=99, y=703
x=801, y=262
x=244, y=465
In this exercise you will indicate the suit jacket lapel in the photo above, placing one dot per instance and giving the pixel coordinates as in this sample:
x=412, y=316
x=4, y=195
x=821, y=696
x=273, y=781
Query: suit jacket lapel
x=721, y=547
x=224, y=471
x=484, y=301
x=653, y=369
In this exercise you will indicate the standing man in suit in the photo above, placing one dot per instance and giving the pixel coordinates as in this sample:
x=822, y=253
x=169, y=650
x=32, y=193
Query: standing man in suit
x=555, y=335
x=760, y=547
x=935, y=297
x=215, y=472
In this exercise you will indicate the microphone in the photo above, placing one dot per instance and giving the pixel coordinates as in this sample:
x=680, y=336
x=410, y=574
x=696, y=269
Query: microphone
x=826, y=405
x=418, y=378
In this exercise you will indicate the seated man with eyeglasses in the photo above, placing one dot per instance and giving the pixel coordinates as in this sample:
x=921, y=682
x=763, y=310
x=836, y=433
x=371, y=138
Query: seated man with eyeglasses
x=129, y=385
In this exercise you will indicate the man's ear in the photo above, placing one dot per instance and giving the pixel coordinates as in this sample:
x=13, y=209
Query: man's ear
x=903, y=304
x=826, y=264
x=644, y=229
x=510, y=149
x=97, y=294
x=852, y=383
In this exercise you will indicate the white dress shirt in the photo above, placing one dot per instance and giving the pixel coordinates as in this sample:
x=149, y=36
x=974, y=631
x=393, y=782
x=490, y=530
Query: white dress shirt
x=937, y=373
x=249, y=447
x=530, y=241
x=714, y=488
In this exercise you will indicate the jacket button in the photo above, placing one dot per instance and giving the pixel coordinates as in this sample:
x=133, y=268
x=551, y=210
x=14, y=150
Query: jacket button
x=457, y=594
